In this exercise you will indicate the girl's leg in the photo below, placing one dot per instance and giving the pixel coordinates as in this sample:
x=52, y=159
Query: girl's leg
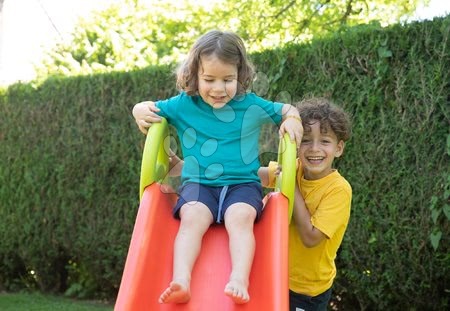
x=239, y=220
x=195, y=221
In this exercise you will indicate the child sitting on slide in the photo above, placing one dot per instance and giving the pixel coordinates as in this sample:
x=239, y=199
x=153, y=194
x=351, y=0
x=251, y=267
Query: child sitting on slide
x=218, y=125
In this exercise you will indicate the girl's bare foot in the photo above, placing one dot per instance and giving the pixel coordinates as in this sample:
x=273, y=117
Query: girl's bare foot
x=237, y=291
x=177, y=292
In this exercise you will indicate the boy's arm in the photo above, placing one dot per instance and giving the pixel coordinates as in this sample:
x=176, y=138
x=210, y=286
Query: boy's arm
x=175, y=164
x=310, y=235
x=292, y=124
x=144, y=114
x=263, y=173
x=268, y=174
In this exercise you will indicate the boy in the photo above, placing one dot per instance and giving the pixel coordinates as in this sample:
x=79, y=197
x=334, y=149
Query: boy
x=321, y=204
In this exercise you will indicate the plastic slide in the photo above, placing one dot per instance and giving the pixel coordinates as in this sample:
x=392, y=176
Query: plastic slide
x=148, y=267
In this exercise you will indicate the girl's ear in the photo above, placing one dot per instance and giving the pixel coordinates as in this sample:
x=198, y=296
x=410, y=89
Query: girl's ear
x=339, y=149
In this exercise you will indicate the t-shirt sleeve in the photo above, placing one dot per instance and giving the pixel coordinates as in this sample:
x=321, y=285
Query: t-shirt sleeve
x=334, y=210
x=272, y=110
x=169, y=107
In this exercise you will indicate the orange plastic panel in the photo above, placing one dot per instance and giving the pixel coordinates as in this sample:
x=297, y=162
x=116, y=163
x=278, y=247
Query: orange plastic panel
x=148, y=268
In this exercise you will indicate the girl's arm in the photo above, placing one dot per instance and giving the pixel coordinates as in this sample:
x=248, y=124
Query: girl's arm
x=144, y=114
x=292, y=124
x=310, y=235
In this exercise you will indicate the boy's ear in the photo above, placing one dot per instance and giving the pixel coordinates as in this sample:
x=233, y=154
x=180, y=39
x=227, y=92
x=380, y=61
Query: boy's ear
x=339, y=149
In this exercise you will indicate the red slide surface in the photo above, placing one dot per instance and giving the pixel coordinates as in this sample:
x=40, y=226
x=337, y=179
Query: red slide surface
x=148, y=267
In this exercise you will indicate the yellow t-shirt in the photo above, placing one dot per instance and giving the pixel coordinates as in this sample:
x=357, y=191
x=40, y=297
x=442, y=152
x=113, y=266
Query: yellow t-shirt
x=312, y=270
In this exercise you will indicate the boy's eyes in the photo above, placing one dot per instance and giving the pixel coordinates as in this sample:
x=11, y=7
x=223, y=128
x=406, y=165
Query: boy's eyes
x=323, y=141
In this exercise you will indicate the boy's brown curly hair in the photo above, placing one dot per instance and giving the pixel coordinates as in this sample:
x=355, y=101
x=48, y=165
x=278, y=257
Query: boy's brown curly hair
x=328, y=114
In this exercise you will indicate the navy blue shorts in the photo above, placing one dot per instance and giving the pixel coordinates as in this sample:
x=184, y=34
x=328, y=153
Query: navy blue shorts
x=218, y=199
x=299, y=302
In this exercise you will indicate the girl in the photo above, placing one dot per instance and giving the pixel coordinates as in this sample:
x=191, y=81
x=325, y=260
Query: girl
x=218, y=125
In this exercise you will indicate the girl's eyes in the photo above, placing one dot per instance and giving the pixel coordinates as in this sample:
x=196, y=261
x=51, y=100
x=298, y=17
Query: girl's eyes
x=211, y=80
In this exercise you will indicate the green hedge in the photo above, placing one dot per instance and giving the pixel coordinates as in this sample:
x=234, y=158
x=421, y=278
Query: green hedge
x=396, y=84
x=70, y=160
x=70, y=171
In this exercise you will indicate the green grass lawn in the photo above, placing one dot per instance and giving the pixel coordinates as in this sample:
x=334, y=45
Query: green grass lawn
x=39, y=302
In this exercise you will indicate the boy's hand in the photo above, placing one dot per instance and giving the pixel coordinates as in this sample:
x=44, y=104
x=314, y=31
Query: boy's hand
x=274, y=168
x=144, y=114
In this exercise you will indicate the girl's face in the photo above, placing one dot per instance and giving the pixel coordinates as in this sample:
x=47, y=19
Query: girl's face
x=217, y=81
x=318, y=150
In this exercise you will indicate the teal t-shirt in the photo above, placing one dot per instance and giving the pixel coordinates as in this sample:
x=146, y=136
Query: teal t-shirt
x=220, y=146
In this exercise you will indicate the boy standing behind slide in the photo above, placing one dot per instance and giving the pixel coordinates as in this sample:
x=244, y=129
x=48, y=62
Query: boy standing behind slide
x=321, y=204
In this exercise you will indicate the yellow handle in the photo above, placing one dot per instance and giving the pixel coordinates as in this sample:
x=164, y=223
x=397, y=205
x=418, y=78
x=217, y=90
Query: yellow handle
x=287, y=158
x=155, y=159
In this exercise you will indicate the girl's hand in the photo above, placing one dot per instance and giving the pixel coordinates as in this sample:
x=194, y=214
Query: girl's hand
x=144, y=114
x=293, y=126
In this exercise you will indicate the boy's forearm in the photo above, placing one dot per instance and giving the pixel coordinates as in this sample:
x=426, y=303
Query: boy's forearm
x=176, y=168
x=310, y=235
x=175, y=164
x=263, y=173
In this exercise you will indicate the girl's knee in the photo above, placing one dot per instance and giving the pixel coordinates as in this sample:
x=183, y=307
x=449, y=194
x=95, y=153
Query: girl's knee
x=195, y=214
x=242, y=215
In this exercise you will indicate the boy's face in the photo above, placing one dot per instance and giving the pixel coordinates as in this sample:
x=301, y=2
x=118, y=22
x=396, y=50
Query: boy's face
x=318, y=150
x=217, y=81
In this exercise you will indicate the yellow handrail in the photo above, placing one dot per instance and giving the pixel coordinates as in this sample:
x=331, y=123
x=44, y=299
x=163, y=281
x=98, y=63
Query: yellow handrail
x=155, y=158
x=285, y=183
